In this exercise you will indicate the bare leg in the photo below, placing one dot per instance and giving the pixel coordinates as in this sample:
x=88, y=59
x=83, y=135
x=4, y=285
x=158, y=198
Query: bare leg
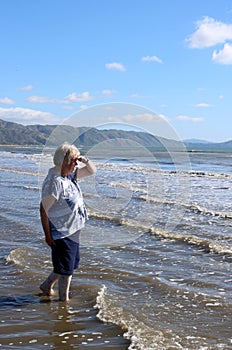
x=64, y=285
x=48, y=284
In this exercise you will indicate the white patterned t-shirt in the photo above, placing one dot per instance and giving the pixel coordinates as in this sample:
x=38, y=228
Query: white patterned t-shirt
x=68, y=213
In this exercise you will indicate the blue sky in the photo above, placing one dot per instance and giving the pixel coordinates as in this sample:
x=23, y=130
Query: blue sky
x=172, y=57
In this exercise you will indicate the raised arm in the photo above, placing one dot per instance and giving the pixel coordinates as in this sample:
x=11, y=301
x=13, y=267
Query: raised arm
x=88, y=169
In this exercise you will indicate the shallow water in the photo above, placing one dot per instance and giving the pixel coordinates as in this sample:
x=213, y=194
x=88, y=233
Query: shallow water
x=156, y=257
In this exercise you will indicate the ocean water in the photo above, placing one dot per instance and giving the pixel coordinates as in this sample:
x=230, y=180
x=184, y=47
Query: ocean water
x=156, y=256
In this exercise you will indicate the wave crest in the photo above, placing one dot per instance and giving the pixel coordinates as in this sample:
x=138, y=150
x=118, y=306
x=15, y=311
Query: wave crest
x=141, y=336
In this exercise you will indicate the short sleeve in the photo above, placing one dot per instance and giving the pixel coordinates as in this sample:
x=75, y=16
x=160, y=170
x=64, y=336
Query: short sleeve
x=55, y=189
x=51, y=187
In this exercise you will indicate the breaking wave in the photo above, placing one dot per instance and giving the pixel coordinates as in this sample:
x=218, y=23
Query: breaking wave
x=141, y=336
x=209, y=245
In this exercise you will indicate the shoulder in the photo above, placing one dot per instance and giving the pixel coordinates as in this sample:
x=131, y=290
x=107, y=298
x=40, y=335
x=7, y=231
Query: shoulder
x=51, y=177
x=52, y=181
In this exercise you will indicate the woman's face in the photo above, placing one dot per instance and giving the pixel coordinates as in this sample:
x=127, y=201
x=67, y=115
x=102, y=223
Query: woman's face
x=72, y=164
x=68, y=167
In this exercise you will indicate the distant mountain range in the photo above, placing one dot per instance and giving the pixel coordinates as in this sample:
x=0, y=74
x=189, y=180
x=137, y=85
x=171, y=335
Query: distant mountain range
x=196, y=141
x=195, y=144
x=18, y=134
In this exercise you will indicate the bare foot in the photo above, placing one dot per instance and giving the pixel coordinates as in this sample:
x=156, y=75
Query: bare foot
x=47, y=292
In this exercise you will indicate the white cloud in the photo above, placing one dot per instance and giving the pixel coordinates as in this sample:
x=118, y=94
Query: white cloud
x=136, y=96
x=41, y=99
x=83, y=107
x=151, y=59
x=209, y=33
x=6, y=101
x=26, y=88
x=73, y=97
x=202, y=105
x=112, y=120
x=107, y=92
x=144, y=117
x=27, y=116
x=115, y=66
x=189, y=119
x=223, y=56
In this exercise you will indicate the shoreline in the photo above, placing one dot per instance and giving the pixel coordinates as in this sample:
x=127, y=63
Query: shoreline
x=151, y=149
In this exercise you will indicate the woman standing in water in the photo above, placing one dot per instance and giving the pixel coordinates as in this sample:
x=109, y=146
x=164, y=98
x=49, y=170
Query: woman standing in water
x=63, y=215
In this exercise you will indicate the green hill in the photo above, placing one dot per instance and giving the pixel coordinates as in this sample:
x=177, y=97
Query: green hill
x=17, y=134
x=86, y=137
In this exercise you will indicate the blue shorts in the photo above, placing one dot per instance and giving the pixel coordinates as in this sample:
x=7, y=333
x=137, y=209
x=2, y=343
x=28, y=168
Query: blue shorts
x=65, y=256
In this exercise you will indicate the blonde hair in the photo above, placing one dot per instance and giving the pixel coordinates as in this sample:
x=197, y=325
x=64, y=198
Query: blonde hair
x=65, y=152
